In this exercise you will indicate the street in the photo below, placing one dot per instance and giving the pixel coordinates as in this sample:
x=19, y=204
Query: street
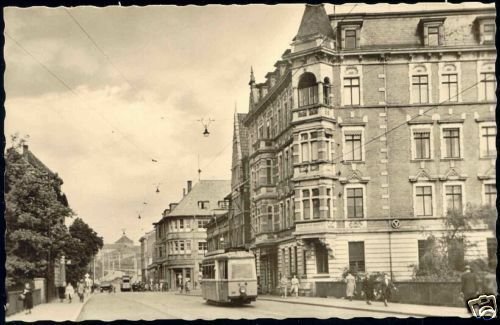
x=155, y=305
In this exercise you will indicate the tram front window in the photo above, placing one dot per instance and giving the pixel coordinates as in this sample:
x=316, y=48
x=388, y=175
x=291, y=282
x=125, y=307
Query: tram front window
x=242, y=271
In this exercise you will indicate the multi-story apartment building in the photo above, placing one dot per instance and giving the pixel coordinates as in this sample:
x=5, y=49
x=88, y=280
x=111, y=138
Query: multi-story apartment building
x=371, y=127
x=181, y=238
x=147, y=252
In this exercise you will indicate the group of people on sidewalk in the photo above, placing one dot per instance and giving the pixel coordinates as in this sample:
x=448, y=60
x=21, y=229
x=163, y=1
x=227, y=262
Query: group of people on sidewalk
x=69, y=291
x=294, y=289
x=368, y=288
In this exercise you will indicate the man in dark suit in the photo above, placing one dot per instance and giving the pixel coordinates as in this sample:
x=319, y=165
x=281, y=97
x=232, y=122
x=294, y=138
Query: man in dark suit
x=469, y=284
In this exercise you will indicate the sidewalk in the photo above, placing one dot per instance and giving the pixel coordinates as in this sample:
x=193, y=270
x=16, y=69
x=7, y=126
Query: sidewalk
x=54, y=311
x=393, y=308
x=376, y=306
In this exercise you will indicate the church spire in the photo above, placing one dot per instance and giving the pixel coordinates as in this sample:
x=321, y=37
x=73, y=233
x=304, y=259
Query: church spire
x=252, y=77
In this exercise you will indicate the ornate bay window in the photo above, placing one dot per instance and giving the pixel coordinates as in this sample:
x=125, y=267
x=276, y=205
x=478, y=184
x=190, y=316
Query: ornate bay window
x=307, y=90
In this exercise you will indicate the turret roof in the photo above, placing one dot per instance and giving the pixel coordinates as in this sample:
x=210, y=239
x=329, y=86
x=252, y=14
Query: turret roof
x=314, y=21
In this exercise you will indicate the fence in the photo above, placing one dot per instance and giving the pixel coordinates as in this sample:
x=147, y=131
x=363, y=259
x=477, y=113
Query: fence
x=16, y=305
x=422, y=293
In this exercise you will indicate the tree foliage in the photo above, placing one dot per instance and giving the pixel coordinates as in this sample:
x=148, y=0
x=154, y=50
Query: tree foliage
x=85, y=243
x=34, y=218
x=443, y=259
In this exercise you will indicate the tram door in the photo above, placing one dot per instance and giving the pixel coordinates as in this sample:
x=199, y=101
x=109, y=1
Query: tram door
x=222, y=284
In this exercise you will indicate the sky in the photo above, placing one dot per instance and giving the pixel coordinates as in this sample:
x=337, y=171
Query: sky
x=102, y=92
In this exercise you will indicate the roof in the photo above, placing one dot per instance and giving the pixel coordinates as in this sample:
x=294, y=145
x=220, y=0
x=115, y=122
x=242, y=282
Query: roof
x=314, y=21
x=124, y=240
x=212, y=191
x=243, y=134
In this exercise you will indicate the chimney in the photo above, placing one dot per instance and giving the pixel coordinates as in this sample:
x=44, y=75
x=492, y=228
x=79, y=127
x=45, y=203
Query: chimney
x=183, y=192
x=190, y=183
x=25, y=148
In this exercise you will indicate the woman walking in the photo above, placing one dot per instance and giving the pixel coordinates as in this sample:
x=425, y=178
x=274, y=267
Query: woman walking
x=70, y=291
x=28, y=298
x=295, y=286
x=80, y=289
x=351, y=285
x=368, y=288
x=283, y=284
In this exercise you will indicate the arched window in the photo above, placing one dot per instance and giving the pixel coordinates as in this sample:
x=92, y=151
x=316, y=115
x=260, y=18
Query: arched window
x=308, y=90
x=327, y=91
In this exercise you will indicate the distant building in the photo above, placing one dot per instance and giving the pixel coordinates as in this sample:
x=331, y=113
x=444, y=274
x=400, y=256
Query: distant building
x=147, y=252
x=181, y=234
x=119, y=257
x=370, y=129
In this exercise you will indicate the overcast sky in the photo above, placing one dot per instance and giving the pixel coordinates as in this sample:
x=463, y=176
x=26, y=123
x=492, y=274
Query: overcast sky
x=101, y=101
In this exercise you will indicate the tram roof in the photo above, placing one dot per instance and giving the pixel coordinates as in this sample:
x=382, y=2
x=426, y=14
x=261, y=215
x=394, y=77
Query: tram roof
x=218, y=255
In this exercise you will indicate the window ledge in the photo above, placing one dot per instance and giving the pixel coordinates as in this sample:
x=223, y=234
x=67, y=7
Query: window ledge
x=449, y=159
x=488, y=157
x=353, y=162
x=321, y=275
x=421, y=160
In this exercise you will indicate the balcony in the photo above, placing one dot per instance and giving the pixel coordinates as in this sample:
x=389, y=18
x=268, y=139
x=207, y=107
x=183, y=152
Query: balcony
x=264, y=238
x=262, y=145
x=312, y=111
x=313, y=169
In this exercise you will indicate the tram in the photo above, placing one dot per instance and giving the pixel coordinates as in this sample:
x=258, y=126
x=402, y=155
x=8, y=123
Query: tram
x=229, y=277
x=125, y=284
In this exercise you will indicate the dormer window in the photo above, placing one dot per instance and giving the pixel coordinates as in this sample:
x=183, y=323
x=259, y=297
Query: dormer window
x=350, y=33
x=350, y=39
x=223, y=204
x=203, y=205
x=486, y=29
x=432, y=31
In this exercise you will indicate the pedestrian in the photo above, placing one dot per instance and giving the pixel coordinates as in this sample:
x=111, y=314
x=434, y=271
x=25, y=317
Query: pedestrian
x=387, y=287
x=368, y=288
x=295, y=286
x=283, y=284
x=61, y=292
x=350, y=285
x=187, y=285
x=27, y=296
x=469, y=285
x=80, y=290
x=70, y=292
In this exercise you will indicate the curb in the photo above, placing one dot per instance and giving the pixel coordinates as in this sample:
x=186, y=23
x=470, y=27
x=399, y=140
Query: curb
x=79, y=311
x=353, y=308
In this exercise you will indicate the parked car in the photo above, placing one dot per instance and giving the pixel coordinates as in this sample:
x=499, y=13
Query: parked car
x=106, y=286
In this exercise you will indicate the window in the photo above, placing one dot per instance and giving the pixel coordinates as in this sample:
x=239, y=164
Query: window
x=488, y=137
x=208, y=271
x=327, y=92
x=423, y=201
x=329, y=203
x=181, y=224
x=350, y=39
x=354, y=202
x=451, y=141
x=488, y=36
x=433, y=35
x=315, y=203
x=456, y=256
x=269, y=171
x=289, y=260
x=420, y=89
x=308, y=90
x=422, y=144
x=449, y=84
x=351, y=91
x=306, y=207
x=490, y=194
x=241, y=270
x=357, y=256
x=453, y=198
x=491, y=246
x=176, y=249
x=202, y=246
x=202, y=223
x=423, y=248
x=188, y=245
x=321, y=258
x=488, y=84
x=181, y=246
x=295, y=269
x=353, y=146
x=304, y=147
x=304, y=264
x=203, y=205
x=223, y=204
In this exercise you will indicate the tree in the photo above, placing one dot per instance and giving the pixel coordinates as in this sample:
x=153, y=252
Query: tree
x=444, y=256
x=34, y=215
x=85, y=243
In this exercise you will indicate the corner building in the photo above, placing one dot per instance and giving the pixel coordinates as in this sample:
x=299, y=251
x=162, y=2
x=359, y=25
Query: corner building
x=370, y=128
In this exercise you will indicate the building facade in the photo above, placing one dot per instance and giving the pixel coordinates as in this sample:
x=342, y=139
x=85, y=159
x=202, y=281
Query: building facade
x=181, y=238
x=147, y=252
x=370, y=129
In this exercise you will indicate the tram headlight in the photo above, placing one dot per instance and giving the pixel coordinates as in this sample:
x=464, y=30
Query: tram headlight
x=243, y=290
